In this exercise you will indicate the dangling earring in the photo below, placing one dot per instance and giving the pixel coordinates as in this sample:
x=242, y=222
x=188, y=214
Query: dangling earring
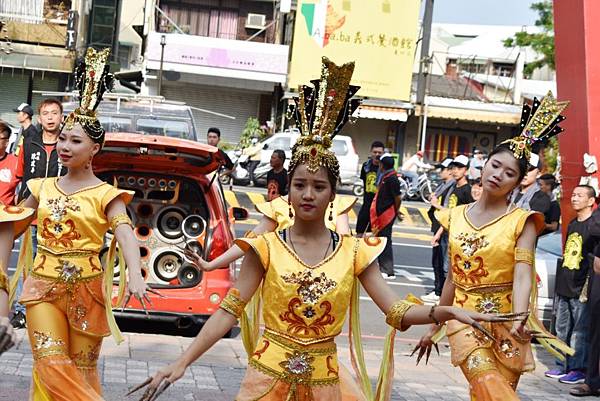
x=290, y=208
x=330, y=212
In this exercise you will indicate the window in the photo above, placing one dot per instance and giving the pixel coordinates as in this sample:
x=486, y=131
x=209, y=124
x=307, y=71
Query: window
x=115, y=124
x=339, y=147
x=282, y=143
x=163, y=127
x=103, y=23
x=214, y=18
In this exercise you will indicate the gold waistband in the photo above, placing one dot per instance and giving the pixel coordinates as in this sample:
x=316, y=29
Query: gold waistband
x=301, y=341
x=73, y=253
x=66, y=268
x=485, y=300
x=291, y=362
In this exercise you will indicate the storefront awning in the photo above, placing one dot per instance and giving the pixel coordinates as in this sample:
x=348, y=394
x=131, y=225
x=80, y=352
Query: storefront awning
x=39, y=58
x=381, y=113
x=467, y=110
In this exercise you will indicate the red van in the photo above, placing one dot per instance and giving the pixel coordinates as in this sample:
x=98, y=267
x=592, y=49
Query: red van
x=177, y=204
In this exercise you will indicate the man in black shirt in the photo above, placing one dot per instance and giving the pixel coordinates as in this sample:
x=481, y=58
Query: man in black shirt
x=384, y=210
x=213, y=137
x=277, y=177
x=571, y=277
x=438, y=251
x=368, y=174
x=24, y=117
x=461, y=195
x=591, y=387
x=547, y=183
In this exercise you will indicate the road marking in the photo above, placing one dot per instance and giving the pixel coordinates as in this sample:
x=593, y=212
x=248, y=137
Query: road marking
x=411, y=245
x=256, y=197
x=425, y=215
x=407, y=218
x=231, y=198
x=420, y=237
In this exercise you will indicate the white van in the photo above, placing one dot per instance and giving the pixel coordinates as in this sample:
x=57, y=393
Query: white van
x=342, y=146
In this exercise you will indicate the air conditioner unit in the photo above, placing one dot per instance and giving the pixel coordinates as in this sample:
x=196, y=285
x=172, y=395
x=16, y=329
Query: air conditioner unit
x=255, y=21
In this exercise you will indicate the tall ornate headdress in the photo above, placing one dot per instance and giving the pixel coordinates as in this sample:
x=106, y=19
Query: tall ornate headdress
x=92, y=79
x=538, y=124
x=321, y=111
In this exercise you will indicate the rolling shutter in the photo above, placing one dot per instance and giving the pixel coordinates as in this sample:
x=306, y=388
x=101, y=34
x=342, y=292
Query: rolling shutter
x=14, y=85
x=239, y=104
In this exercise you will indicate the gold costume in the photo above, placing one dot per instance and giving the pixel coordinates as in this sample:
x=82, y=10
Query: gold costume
x=482, y=260
x=63, y=291
x=304, y=310
x=278, y=210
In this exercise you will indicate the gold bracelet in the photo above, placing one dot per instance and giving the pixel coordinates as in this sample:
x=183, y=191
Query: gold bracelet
x=524, y=255
x=119, y=219
x=396, y=313
x=3, y=280
x=232, y=303
x=250, y=234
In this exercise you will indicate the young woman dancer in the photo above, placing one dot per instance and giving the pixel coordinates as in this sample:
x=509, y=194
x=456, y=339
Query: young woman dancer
x=491, y=245
x=308, y=277
x=68, y=310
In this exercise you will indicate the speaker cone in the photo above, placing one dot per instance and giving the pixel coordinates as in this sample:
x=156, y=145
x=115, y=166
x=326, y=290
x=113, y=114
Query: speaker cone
x=169, y=223
x=103, y=260
x=193, y=226
x=166, y=265
x=189, y=276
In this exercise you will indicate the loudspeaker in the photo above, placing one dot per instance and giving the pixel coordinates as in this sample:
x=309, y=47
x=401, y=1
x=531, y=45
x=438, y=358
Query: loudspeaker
x=168, y=224
x=189, y=276
x=165, y=264
x=193, y=226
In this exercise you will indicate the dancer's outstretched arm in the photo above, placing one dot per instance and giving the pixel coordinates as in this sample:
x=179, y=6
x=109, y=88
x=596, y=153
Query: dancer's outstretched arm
x=232, y=254
x=523, y=279
x=386, y=298
x=217, y=325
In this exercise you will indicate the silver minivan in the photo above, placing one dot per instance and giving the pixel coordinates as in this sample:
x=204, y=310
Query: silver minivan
x=342, y=146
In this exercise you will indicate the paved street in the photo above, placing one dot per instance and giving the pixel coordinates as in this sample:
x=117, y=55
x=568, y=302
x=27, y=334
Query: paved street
x=217, y=375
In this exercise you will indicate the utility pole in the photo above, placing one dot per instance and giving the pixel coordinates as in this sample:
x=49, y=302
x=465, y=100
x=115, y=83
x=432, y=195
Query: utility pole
x=163, y=42
x=424, y=67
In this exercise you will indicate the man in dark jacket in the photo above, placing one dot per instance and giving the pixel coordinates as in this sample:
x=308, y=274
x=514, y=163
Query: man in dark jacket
x=368, y=174
x=37, y=152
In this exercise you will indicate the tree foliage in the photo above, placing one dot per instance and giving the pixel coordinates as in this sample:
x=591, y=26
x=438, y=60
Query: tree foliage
x=252, y=129
x=542, y=42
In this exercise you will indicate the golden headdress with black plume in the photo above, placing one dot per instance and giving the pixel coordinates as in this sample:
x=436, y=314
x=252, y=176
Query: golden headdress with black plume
x=321, y=111
x=538, y=124
x=92, y=79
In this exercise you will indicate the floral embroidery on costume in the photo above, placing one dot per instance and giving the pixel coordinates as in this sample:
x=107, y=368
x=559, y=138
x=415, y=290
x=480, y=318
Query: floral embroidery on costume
x=471, y=243
x=58, y=207
x=298, y=325
x=59, y=233
x=507, y=348
x=469, y=275
x=298, y=364
x=311, y=289
x=68, y=272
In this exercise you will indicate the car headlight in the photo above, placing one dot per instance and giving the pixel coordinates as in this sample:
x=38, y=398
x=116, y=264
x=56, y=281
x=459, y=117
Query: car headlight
x=214, y=298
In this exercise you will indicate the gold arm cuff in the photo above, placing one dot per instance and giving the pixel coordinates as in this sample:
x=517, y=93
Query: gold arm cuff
x=250, y=234
x=396, y=314
x=3, y=281
x=233, y=304
x=523, y=255
x=119, y=219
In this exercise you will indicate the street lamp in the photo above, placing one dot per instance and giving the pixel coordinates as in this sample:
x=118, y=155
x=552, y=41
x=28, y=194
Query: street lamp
x=163, y=42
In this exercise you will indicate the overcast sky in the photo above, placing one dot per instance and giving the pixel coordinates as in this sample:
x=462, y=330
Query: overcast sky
x=485, y=12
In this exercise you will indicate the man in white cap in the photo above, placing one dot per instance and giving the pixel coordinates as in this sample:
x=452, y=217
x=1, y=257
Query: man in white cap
x=530, y=196
x=24, y=117
x=439, y=252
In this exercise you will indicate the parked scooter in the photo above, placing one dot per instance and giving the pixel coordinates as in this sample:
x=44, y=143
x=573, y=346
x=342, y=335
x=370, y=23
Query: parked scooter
x=239, y=175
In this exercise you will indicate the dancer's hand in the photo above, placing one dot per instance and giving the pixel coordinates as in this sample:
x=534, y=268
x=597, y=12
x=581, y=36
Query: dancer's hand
x=425, y=340
x=137, y=287
x=197, y=261
x=520, y=332
x=158, y=383
x=8, y=337
x=435, y=240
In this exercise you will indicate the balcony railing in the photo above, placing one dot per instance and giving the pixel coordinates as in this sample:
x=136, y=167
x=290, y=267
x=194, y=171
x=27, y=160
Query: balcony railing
x=35, y=11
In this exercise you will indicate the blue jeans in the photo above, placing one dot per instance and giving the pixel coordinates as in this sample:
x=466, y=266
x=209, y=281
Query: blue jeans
x=17, y=307
x=413, y=179
x=444, y=248
x=572, y=328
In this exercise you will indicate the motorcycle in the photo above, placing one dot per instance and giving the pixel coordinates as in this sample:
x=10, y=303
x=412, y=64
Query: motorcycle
x=239, y=175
